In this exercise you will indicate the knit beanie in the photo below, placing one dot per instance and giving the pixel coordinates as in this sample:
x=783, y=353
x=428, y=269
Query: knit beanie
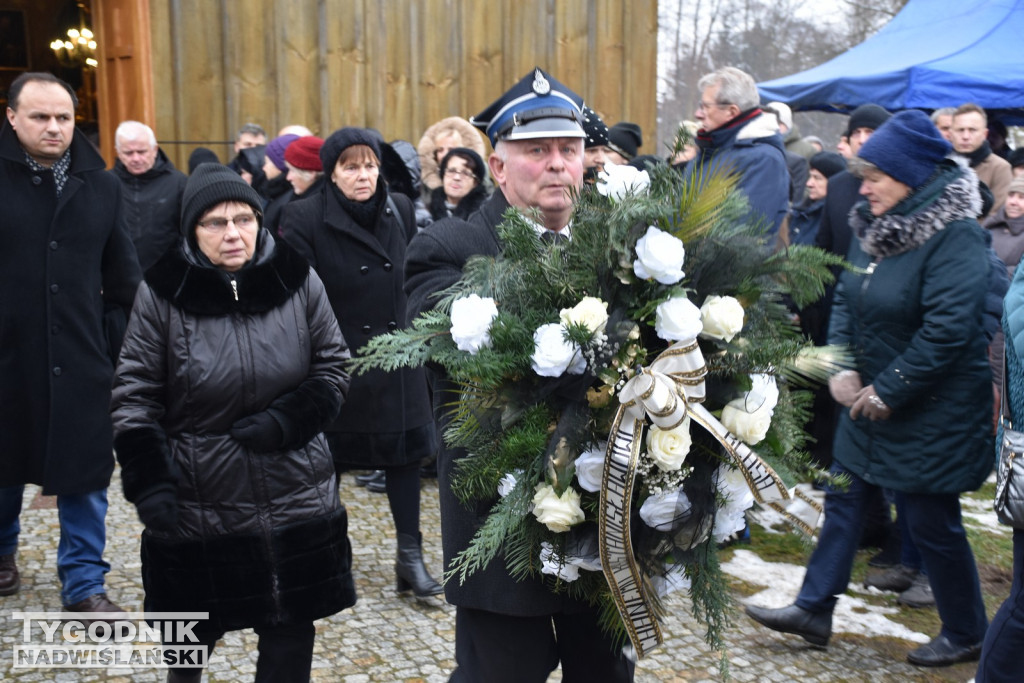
x=201, y=155
x=304, y=153
x=625, y=138
x=1016, y=157
x=907, y=147
x=209, y=185
x=782, y=112
x=594, y=128
x=472, y=158
x=866, y=116
x=827, y=163
x=342, y=139
x=276, y=148
x=1016, y=185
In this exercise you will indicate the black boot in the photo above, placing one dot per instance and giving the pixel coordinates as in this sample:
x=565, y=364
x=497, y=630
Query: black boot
x=410, y=573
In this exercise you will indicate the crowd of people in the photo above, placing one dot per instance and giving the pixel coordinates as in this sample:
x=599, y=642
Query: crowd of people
x=198, y=326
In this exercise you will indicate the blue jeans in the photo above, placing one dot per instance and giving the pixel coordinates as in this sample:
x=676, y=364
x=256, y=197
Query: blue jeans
x=933, y=521
x=83, y=535
x=1000, y=655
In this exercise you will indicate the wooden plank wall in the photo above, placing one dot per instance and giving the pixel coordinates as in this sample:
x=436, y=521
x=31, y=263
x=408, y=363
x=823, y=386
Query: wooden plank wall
x=395, y=65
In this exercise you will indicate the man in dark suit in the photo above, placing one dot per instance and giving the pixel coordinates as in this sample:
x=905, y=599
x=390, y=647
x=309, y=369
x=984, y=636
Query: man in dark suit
x=508, y=630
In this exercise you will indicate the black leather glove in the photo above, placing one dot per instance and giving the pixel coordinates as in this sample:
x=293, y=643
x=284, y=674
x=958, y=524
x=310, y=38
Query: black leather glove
x=260, y=432
x=158, y=508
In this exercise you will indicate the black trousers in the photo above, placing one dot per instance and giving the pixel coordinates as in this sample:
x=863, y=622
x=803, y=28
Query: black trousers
x=285, y=655
x=496, y=648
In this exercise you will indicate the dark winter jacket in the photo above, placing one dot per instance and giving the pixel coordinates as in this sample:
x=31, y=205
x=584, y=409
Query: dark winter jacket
x=913, y=321
x=152, y=207
x=68, y=273
x=804, y=221
x=387, y=418
x=751, y=147
x=464, y=209
x=436, y=257
x=260, y=537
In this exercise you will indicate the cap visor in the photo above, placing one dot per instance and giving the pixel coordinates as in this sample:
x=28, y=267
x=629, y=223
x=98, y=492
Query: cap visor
x=546, y=128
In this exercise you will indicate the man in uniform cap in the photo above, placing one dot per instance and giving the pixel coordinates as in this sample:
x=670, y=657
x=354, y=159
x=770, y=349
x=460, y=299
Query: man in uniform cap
x=508, y=630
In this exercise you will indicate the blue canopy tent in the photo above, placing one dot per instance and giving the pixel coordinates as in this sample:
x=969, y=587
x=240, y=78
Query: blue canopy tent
x=934, y=53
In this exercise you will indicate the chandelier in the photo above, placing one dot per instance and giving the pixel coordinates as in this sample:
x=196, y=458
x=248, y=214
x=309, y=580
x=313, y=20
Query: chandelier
x=78, y=50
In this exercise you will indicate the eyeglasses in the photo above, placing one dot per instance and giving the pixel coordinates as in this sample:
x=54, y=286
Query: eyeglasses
x=704, y=106
x=459, y=174
x=243, y=221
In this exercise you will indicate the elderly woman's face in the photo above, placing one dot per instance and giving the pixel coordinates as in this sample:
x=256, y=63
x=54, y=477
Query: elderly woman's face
x=817, y=185
x=458, y=179
x=882, y=191
x=356, y=177
x=226, y=234
x=300, y=179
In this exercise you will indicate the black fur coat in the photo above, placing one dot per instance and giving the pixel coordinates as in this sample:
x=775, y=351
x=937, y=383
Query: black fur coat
x=260, y=538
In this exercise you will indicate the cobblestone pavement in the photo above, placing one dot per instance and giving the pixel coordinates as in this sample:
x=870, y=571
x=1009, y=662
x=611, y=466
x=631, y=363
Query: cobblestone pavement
x=387, y=638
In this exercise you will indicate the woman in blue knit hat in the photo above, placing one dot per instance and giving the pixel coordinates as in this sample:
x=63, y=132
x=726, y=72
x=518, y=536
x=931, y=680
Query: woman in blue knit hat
x=917, y=405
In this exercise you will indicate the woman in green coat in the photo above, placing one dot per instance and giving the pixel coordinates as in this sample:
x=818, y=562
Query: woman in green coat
x=918, y=403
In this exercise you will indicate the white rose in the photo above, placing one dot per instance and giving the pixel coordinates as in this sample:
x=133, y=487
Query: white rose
x=677, y=319
x=734, y=489
x=675, y=579
x=553, y=564
x=659, y=256
x=662, y=510
x=471, y=322
x=750, y=417
x=722, y=317
x=557, y=513
x=749, y=427
x=668, y=448
x=763, y=394
x=508, y=482
x=590, y=469
x=618, y=181
x=590, y=312
x=553, y=355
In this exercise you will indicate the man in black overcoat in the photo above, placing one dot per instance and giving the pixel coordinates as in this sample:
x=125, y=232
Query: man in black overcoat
x=68, y=275
x=509, y=631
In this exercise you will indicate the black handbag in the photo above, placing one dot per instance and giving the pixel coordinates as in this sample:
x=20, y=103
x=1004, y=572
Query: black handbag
x=1009, y=502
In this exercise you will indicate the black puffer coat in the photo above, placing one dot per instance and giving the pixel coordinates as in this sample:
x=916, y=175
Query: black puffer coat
x=261, y=538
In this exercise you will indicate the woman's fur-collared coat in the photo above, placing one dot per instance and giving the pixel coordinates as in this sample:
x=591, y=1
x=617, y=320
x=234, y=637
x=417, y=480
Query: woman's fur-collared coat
x=261, y=538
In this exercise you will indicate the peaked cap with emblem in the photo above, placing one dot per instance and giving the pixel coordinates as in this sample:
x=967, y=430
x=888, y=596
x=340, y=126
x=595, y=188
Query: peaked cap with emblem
x=538, y=106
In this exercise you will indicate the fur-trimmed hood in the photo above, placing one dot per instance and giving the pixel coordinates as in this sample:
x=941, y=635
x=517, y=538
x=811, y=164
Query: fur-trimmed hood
x=275, y=273
x=952, y=194
x=471, y=138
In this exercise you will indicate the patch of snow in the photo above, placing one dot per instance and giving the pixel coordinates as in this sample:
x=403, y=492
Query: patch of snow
x=782, y=582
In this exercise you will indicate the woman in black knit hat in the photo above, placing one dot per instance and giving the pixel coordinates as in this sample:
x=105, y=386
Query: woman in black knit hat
x=354, y=234
x=805, y=219
x=462, y=189
x=231, y=367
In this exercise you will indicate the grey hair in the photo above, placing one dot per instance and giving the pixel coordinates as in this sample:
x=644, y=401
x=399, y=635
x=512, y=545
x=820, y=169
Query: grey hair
x=945, y=111
x=734, y=87
x=130, y=130
x=251, y=129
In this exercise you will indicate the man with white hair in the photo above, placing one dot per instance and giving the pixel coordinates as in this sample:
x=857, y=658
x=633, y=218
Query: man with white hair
x=151, y=191
x=737, y=137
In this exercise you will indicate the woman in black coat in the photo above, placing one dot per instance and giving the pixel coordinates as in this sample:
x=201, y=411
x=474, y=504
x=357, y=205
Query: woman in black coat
x=354, y=233
x=231, y=367
x=462, y=189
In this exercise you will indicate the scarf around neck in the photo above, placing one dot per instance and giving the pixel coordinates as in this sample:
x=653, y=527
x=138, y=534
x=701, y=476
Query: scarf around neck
x=952, y=194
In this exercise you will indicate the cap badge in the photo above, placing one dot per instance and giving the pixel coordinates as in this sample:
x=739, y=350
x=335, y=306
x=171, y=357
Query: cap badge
x=541, y=86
